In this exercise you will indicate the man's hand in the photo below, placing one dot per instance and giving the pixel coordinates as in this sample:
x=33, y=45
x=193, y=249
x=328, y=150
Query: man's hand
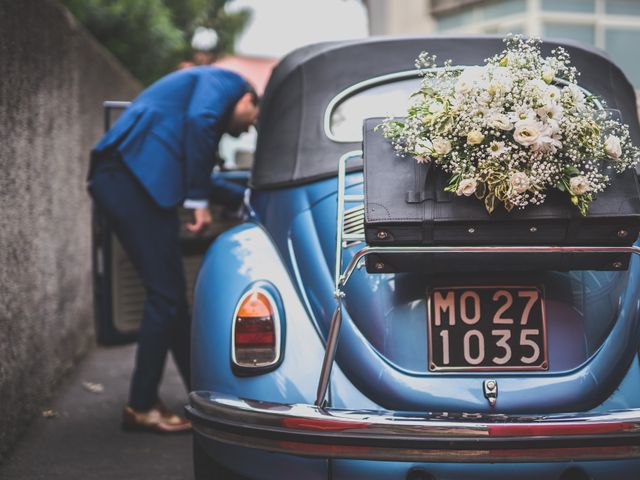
x=201, y=219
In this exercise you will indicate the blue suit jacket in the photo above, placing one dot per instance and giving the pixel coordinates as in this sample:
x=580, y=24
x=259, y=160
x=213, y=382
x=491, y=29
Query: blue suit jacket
x=169, y=135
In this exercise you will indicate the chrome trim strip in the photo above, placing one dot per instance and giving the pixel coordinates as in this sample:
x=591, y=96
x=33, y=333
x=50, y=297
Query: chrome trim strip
x=370, y=82
x=336, y=319
x=115, y=104
x=342, y=198
x=301, y=429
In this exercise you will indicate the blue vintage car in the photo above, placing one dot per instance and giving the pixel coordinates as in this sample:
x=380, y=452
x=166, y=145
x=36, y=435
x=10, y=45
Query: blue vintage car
x=306, y=366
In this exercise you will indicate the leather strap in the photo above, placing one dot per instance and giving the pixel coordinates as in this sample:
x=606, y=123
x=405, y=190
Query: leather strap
x=421, y=191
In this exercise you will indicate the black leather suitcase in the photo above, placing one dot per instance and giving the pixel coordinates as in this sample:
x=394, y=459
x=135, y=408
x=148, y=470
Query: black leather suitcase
x=405, y=204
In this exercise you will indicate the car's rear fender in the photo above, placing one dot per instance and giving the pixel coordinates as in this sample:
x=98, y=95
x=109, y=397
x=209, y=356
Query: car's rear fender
x=241, y=258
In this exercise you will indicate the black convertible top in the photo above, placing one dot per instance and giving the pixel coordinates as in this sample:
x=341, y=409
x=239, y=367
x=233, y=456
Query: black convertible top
x=292, y=146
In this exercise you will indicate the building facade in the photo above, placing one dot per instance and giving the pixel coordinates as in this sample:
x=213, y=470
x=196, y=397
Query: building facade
x=611, y=25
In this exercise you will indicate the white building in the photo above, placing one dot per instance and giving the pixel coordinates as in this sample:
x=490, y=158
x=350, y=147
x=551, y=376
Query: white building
x=612, y=25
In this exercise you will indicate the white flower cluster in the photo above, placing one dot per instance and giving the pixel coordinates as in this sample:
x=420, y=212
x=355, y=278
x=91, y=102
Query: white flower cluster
x=513, y=128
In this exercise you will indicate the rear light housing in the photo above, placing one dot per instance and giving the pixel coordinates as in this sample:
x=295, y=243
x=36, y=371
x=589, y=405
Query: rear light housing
x=256, y=334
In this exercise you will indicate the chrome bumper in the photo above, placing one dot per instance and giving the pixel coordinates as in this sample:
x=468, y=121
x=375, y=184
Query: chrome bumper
x=426, y=437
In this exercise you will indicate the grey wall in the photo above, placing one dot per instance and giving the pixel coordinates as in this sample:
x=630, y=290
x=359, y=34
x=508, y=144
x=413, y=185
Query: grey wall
x=53, y=79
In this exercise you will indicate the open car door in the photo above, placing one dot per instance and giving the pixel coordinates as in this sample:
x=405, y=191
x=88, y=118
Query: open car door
x=118, y=291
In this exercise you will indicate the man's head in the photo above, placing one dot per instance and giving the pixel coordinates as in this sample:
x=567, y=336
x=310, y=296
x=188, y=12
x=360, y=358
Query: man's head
x=245, y=113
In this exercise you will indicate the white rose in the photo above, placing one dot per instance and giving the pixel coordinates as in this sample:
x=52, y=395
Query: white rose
x=579, y=185
x=441, y=146
x=467, y=187
x=527, y=132
x=423, y=147
x=519, y=182
x=474, y=137
x=500, y=121
x=612, y=147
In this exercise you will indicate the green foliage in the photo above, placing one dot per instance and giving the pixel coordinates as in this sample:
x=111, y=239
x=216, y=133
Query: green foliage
x=150, y=37
x=227, y=25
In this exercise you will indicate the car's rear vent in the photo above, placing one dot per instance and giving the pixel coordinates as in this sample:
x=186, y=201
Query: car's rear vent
x=354, y=222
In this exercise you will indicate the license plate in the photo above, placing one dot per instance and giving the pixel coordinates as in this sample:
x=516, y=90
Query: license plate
x=487, y=328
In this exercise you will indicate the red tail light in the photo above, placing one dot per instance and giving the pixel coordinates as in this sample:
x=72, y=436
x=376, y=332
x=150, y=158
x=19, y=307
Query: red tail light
x=256, y=331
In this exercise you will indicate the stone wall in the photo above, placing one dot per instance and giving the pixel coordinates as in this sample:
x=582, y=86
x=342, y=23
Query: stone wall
x=53, y=79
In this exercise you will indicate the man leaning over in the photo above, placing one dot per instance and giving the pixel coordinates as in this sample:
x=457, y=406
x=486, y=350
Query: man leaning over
x=157, y=156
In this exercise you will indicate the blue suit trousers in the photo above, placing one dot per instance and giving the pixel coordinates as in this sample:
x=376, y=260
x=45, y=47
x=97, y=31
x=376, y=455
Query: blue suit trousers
x=150, y=236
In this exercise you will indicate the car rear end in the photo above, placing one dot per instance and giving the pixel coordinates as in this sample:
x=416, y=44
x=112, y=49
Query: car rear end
x=457, y=375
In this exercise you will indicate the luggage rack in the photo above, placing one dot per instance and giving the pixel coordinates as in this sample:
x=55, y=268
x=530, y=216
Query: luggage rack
x=345, y=239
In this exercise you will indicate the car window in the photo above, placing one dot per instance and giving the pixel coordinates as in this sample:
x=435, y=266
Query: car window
x=390, y=98
x=380, y=100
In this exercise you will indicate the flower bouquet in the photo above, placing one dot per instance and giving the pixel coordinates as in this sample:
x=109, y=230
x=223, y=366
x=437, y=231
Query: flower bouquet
x=513, y=128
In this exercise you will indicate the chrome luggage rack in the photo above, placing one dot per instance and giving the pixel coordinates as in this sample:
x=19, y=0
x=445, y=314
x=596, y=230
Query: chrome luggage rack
x=353, y=220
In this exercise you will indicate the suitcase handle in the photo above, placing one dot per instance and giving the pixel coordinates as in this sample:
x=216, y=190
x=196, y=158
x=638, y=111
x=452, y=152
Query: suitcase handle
x=422, y=191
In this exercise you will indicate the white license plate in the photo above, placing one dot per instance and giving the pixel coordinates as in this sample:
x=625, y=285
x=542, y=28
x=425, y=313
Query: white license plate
x=487, y=328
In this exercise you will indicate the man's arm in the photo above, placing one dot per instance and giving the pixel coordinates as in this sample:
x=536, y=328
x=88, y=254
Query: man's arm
x=201, y=219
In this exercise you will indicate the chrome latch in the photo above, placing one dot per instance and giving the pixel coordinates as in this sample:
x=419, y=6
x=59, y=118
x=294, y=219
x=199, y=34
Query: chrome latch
x=490, y=388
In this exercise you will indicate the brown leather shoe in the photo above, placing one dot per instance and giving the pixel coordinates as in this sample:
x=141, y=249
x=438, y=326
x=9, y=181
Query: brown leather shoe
x=157, y=419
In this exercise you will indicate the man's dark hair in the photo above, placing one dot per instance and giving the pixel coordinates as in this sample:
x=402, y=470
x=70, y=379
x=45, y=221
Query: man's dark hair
x=255, y=99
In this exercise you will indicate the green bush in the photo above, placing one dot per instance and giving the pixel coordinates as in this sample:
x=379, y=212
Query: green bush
x=150, y=37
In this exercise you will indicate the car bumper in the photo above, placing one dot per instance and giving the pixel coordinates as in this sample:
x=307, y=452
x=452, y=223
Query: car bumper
x=427, y=437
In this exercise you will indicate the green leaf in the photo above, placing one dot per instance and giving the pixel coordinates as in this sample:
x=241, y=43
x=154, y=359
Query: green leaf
x=490, y=202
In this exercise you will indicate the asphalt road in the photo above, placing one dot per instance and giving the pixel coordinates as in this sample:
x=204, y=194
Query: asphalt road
x=81, y=438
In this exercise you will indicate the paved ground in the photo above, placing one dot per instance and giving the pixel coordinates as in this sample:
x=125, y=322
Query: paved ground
x=84, y=440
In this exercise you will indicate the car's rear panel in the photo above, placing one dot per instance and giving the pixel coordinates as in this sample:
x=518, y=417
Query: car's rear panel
x=587, y=338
